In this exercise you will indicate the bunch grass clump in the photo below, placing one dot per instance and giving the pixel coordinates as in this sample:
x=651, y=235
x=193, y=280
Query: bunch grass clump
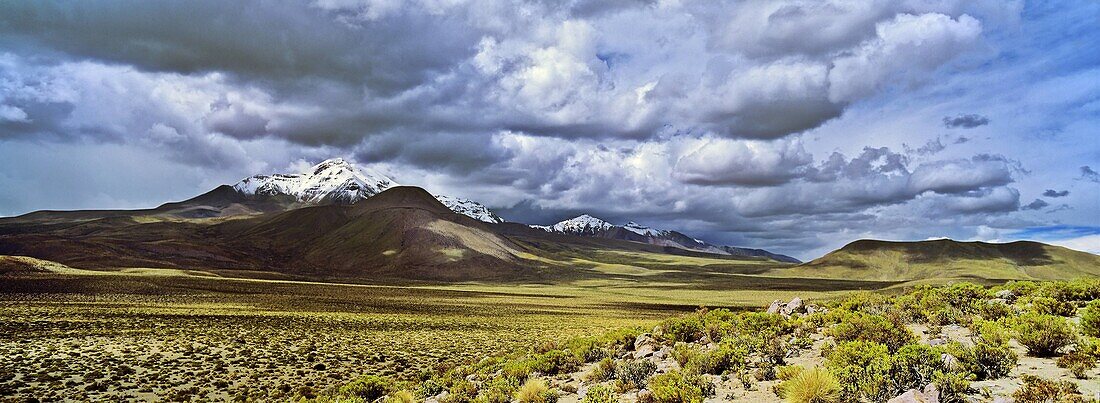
x=814, y=385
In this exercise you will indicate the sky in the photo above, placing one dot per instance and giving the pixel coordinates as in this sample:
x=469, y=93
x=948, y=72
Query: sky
x=795, y=126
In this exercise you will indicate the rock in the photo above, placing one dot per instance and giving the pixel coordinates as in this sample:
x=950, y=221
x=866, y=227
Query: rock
x=775, y=306
x=437, y=398
x=950, y=361
x=645, y=395
x=1007, y=295
x=928, y=395
x=937, y=342
x=795, y=306
x=644, y=351
x=662, y=353
x=643, y=340
x=997, y=301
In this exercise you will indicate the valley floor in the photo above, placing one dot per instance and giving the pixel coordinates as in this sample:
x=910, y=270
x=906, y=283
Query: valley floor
x=153, y=334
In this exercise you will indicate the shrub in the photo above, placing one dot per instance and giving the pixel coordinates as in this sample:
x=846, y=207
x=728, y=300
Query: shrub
x=499, y=390
x=1039, y=390
x=990, y=357
x=369, y=387
x=604, y=370
x=684, y=352
x=401, y=396
x=535, y=391
x=952, y=386
x=1043, y=335
x=600, y=394
x=555, y=362
x=914, y=366
x=995, y=310
x=1078, y=362
x=1090, y=319
x=874, y=328
x=635, y=371
x=687, y=329
x=727, y=356
x=863, y=369
x=813, y=385
x=461, y=391
x=1051, y=306
x=678, y=387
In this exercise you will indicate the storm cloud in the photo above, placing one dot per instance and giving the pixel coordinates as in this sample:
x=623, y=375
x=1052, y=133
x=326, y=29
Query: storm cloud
x=780, y=124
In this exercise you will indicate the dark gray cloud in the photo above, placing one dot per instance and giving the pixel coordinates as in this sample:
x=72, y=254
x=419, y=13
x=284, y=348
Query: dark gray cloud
x=1088, y=174
x=1055, y=193
x=720, y=119
x=969, y=121
x=1037, y=204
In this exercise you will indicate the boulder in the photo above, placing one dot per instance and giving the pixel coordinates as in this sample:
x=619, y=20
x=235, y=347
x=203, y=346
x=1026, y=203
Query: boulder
x=937, y=342
x=1007, y=295
x=929, y=395
x=793, y=307
x=645, y=339
x=775, y=306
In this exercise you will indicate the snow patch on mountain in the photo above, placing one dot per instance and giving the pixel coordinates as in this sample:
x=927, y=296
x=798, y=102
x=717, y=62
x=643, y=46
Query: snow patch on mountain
x=338, y=181
x=587, y=225
x=582, y=224
x=470, y=209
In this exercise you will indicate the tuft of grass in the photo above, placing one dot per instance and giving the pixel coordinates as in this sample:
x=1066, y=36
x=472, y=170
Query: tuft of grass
x=814, y=385
x=535, y=391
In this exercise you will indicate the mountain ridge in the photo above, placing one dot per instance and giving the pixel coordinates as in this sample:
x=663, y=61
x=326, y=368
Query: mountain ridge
x=587, y=225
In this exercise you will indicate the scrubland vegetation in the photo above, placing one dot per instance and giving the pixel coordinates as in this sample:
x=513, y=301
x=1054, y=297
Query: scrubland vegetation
x=1027, y=341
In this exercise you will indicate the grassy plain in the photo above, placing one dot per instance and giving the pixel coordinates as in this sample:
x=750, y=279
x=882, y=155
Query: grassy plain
x=176, y=335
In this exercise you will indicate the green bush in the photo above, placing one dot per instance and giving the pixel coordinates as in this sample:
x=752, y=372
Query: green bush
x=678, y=387
x=555, y=362
x=727, y=356
x=635, y=371
x=1078, y=362
x=914, y=366
x=874, y=328
x=498, y=390
x=813, y=385
x=688, y=328
x=369, y=387
x=461, y=391
x=953, y=386
x=604, y=370
x=1051, y=306
x=600, y=394
x=1039, y=390
x=1090, y=319
x=990, y=357
x=684, y=352
x=1043, y=335
x=863, y=369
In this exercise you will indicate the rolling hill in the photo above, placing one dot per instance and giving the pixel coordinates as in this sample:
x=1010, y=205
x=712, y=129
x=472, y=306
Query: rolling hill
x=945, y=258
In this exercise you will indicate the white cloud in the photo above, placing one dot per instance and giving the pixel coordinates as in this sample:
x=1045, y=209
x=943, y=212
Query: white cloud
x=1087, y=243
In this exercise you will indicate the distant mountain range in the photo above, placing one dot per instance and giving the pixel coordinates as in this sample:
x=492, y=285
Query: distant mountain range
x=340, y=221
x=586, y=225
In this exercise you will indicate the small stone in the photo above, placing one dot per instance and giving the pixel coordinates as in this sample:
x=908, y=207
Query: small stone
x=937, y=342
x=950, y=361
x=916, y=396
x=1007, y=295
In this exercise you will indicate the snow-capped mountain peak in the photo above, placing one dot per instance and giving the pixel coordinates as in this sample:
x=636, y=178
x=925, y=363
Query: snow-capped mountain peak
x=338, y=181
x=469, y=208
x=334, y=180
x=581, y=224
